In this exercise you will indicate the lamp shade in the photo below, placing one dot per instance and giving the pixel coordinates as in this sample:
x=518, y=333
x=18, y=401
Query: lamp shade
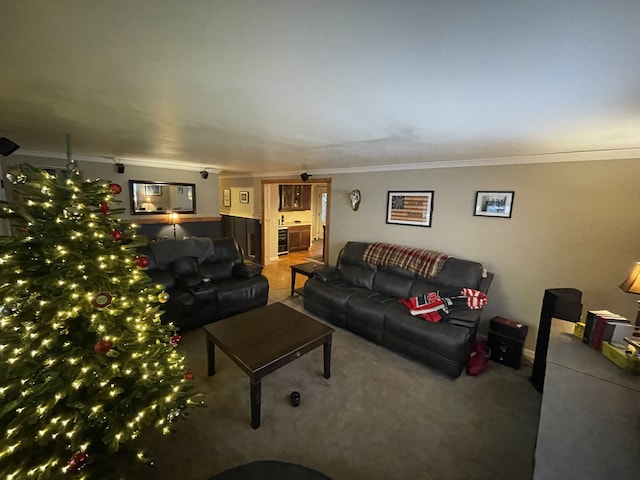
x=174, y=218
x=632, y=283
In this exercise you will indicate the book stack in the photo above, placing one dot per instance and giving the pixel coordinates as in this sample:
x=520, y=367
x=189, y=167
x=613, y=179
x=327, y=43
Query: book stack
x=626, y=357
x=603, y=325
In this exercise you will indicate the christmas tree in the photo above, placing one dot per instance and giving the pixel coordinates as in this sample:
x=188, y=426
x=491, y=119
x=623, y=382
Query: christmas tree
x=85, y=362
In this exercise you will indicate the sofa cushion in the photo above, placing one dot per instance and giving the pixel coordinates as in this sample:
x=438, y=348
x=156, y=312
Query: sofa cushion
x=239, y=295
x=421, y=286
x=366, y=314
x=216, y=271
x=441, y=344
x=184, y=266
x=227, y=249
x=353, y=269
x=163, y=277
x=247, y=270
x=460, y=273
x=328, y=300
x=393, y=282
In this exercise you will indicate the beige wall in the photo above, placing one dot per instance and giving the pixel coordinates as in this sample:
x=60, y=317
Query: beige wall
x=206, y=190
x=253, y=209
x=573, y=225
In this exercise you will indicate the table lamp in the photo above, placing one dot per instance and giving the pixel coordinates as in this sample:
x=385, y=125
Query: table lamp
x=174, y=219
x=632, y=285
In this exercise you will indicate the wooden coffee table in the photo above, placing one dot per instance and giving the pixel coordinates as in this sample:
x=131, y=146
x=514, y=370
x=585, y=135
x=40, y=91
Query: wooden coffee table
x=263, y=340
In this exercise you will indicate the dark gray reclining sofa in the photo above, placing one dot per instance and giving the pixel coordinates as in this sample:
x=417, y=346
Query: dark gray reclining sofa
x=207, y=280
x=364, y=298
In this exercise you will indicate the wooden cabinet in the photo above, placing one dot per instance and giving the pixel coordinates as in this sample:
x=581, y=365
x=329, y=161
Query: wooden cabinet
x=299, y=237
x=294, y=197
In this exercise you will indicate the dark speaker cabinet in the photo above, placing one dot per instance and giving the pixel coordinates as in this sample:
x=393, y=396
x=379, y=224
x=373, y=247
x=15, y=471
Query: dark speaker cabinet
x=562, y=303
x=506, y=339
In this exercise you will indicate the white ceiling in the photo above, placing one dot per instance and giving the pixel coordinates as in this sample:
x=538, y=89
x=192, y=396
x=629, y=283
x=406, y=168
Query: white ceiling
x=265, y=86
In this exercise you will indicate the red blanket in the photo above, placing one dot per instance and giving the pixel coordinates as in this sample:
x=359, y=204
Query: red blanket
x=423, y=262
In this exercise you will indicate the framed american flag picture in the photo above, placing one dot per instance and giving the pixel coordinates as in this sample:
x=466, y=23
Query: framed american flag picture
x=410, y=208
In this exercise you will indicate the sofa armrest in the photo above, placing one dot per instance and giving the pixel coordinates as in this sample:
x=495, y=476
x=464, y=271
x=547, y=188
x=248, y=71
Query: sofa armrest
x=464, y=318
x=327, y=274
x=247, y=270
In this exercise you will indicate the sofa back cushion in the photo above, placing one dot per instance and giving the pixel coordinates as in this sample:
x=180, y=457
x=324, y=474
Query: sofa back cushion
x=353, y=269
x=226, y=249
x=460, y=273
x=214, y=270
x=226, y=255
x=164, y=277
x=400, y=283
x=186, y=272
x=393, y=281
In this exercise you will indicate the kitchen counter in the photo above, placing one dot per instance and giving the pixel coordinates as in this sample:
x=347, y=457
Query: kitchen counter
x=294, y=224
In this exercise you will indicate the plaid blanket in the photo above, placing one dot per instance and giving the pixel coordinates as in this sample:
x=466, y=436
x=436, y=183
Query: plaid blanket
x=423, y=262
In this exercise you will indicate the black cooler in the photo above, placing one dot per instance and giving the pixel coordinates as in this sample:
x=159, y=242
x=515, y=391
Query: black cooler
x=506, y=339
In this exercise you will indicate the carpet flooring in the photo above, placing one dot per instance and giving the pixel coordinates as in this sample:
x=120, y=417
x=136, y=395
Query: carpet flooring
x=380, y=416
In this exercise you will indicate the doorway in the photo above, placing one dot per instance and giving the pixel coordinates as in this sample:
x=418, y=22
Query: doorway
x=271, y=215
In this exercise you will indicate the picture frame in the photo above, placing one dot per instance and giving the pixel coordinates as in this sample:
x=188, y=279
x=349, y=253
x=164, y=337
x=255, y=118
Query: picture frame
x=413, y=208
x=244, y=197
x=226, y=197
x=153, y=190
x=494, y=204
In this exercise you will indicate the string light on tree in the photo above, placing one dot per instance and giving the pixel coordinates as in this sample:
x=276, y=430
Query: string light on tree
x=85, y=362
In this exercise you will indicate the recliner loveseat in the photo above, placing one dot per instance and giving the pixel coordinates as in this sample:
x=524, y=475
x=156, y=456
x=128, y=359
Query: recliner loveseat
x=364, y=297
x=206, y=279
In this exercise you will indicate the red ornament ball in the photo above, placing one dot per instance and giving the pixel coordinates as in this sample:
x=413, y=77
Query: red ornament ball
x=116, y=235
x=115, y=188
x=105, y=208
x=142, y=262
x=77, y=461
x=189, y=376
x=175, y=340
x=101, y=300
x=103, y=346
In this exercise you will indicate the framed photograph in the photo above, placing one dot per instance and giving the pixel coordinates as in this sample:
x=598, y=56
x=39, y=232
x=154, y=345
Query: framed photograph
x=153, y=190
x=494, y=204
x=244, y=197
x=226, y=197
x=410, y=208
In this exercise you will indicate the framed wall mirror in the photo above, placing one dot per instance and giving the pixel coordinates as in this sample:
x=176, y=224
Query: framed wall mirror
x=154, y=198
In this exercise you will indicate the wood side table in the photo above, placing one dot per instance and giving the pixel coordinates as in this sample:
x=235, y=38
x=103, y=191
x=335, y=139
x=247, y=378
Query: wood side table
x=305, y=269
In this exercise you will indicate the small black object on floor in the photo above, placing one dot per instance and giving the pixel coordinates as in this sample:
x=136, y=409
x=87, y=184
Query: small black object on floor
x=270, y=470
x=295, y=398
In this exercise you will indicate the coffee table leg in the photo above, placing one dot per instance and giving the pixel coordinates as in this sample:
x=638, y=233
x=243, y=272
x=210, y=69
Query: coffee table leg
x=293, y=281
x=256, y=391
x=211, y=358
x=327, y=358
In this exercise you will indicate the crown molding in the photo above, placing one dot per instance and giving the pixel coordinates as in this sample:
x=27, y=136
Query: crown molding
x=558, y=157
x=578, y=156
x=153, y=163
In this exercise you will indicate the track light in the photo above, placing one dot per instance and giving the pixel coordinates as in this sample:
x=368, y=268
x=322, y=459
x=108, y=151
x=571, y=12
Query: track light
x=305, y=176
x=119, y=168
x=204, y=174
